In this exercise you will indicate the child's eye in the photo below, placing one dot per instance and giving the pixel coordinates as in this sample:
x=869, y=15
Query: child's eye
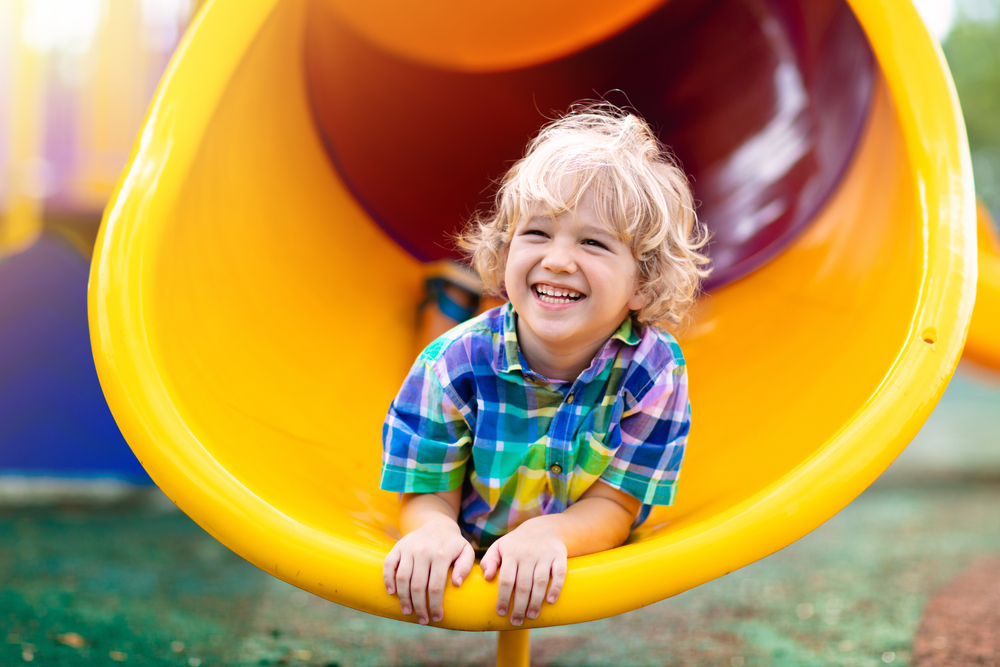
x=534, y=232
x=596, y=244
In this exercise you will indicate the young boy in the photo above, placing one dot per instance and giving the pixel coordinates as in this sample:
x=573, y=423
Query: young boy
x=548, y=427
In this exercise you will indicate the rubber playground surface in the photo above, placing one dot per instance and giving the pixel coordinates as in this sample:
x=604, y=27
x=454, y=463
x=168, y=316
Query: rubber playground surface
x=905, y=575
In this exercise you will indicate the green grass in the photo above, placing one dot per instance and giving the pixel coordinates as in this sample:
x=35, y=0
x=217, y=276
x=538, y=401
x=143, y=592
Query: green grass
x=141, y=585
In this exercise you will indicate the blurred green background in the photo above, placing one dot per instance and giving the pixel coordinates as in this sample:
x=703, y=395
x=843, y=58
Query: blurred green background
x=973, y=50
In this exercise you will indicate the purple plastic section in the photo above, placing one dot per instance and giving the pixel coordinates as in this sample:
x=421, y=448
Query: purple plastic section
x=762, y=101
x=54, y=420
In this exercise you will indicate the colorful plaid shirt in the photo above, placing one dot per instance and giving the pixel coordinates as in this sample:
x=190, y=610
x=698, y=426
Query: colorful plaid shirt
x=472, y=414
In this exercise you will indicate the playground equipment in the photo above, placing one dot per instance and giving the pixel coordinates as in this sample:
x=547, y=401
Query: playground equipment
x=254, y=285
x=54, y=421
x=983, y=345
x=75, y=79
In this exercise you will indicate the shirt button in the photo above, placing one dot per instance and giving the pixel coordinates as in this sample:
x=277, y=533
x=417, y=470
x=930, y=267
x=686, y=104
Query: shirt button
x=556, y=468
x=569, y=399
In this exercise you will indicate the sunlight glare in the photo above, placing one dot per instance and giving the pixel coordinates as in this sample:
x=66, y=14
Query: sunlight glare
x=67, y=26
x=938, y=15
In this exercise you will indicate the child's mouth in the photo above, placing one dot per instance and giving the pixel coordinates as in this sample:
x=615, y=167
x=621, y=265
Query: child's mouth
x=556, y=295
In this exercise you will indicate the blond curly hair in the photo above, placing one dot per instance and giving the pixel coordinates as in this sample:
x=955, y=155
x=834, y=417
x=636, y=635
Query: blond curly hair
x=640, y=194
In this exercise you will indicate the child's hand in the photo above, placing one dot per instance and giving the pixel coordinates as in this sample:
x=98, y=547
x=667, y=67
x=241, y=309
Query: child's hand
x=417, y=567
x=526, y=559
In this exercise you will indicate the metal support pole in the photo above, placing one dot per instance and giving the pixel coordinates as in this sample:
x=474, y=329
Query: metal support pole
x=513, y=648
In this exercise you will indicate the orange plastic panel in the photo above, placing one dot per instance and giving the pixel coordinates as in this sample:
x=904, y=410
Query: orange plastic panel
x=983, y=346
x=488, y=35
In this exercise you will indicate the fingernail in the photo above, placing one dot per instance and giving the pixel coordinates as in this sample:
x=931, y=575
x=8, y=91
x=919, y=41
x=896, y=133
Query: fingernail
x=502, y=611
x=406, y=611
x=552, y=599
x=515, y=621
x=389, y=591
x=422, y=621
x=437, y=617
x=458, y=582
x=532, y=615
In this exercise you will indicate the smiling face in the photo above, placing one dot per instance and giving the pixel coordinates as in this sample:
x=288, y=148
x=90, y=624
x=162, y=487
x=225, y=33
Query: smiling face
x=572, y=283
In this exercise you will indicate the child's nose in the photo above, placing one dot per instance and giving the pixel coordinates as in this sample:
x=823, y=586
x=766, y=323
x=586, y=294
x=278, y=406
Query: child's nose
x=559, y=259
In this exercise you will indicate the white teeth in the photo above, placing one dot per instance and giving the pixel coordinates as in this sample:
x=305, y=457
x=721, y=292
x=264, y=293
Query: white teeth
x=553, y=295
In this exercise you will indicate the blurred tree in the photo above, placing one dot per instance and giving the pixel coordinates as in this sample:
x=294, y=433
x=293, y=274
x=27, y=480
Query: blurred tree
x=973, y=51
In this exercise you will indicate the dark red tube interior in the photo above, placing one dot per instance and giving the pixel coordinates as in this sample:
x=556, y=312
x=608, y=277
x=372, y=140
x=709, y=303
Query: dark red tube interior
x=762, y=101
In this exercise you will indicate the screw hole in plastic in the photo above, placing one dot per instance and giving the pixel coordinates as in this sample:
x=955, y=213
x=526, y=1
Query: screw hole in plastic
x=929, y=335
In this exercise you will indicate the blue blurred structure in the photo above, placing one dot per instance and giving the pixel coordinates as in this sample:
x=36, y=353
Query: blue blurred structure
x=54, y=421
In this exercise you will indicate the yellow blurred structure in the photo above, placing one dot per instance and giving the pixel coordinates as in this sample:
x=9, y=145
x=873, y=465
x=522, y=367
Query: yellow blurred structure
x=76, y=77
x=21, y=223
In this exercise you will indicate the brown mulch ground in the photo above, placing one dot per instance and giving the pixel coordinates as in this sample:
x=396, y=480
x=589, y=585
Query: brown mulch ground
x=961, y=623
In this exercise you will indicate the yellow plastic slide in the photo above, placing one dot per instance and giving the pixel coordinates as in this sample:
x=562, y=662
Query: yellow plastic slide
x=251, y=323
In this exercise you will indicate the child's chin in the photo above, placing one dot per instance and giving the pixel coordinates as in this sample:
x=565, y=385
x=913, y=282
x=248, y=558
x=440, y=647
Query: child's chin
x=556, y=335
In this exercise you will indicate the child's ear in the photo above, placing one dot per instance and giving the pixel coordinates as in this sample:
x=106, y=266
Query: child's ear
x=637, y=301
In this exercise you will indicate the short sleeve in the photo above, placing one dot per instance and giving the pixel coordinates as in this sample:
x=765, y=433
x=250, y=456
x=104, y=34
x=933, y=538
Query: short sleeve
x=651, y=438
x=425, y=440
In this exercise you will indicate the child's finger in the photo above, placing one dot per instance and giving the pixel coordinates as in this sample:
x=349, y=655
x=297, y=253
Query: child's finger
x=522, y=592
x=463, y=564
x=435, y=588
x=540, y=582
x=507, y=578
x=389, y=570
x=558, y=579
x=490, y=562
x=418, y=588
x=403, y=572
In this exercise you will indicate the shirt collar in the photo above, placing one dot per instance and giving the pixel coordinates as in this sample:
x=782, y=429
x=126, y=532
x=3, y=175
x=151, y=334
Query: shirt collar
x=507, y=353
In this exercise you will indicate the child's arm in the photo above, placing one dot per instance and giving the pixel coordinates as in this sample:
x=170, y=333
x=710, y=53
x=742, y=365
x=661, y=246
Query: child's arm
x=537, y=549
x=417, y=567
